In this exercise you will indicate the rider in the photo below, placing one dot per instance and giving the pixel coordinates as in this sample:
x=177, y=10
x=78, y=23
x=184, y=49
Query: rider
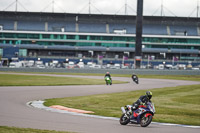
x=134, y=77
x=142, y=100
x=108, y=75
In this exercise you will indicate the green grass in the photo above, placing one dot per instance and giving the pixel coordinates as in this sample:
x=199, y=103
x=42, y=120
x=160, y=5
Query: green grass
x=174, y=77
x=29, y=80
x=4, y=129
x=179, y=105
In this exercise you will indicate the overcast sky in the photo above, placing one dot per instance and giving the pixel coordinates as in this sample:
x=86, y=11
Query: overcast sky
x=185, y=8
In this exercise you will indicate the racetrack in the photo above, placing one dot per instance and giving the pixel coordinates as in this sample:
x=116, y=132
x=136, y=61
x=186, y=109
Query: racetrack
x=15, y=112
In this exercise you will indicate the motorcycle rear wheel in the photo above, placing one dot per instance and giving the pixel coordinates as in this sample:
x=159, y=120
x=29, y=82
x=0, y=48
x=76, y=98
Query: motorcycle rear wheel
x=145, y=121
x=124, y=120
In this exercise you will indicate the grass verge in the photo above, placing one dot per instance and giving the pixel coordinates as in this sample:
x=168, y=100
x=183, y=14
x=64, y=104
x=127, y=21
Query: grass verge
x=173, y=104
x=30, y=80
x=173, y=77
x=5, y=129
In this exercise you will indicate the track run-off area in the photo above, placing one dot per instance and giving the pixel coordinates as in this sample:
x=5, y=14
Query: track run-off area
x=15, y=112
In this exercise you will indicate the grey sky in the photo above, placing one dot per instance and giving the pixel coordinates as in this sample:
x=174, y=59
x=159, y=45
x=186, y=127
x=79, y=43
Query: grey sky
x=151, y=7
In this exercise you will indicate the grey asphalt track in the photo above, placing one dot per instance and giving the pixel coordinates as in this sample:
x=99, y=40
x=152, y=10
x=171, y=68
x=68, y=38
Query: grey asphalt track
x=15, y=112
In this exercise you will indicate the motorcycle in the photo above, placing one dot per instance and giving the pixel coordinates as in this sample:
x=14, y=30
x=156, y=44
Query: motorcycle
x=108, y=80
x=135, y=79
x=143, y=115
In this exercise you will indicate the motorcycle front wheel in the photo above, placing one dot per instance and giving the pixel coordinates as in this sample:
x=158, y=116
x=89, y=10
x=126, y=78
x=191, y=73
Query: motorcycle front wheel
x=124, y=120
x=145, y=121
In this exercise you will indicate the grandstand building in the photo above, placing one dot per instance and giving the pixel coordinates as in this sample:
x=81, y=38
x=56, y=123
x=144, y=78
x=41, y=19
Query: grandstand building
x=61, y=36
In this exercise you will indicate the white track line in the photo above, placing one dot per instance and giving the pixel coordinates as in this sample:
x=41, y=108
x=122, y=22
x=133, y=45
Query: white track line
x=39, y=104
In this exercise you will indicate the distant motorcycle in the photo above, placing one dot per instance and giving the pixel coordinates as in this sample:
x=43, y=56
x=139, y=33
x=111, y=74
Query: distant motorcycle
x=143, y=115
x=108, y=80
x=135, y=79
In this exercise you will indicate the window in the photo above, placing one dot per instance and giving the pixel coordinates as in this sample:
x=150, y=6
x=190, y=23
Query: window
x=117, y=38
x=107, y=38
x=83, y=37
x=46, y=36
x=23, y=52
x=33, y=36
x=21, y=35
x=61, y=36
x=95, y=37
x=70, y=37
x=8, y=35
x=97, y=44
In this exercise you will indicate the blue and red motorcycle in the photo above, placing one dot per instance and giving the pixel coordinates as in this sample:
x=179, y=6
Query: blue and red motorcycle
x=143, y=115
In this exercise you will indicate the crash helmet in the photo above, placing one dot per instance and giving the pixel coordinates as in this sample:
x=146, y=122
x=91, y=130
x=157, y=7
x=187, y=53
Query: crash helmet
x=107, y=72
x=149, y=94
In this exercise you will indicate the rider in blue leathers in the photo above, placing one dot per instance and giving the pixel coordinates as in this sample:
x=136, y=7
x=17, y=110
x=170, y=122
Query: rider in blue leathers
x=142, y=100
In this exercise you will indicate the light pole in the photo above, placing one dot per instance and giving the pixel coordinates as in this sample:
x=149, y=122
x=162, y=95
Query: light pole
x=139, y=20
